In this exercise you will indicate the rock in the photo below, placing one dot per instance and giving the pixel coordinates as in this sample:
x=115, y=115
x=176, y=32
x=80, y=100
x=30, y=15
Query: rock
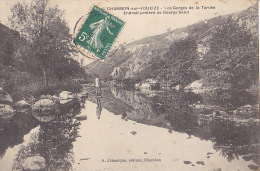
x=29, y=98
x=116, y=72
x=200, y=162
x=44, y=118
x=216, y=113
x=22, y=106
x=133, y=132
x=187, y=162
x=235, y=112
x=253, y=167
x=5, y=98
x=247, y=106
x=45, y=96
x=137, y=85
x=34, y=163
x=194, y=85
x=44, y=106
x=22, y=103
x=65, y=97
x=177, y=87
x=6, y=111
x=81, y=118
x=247, y=111
x=219, y=113
x=54, y=98
x=145, y=86
x=215, y=169
x=83, y=95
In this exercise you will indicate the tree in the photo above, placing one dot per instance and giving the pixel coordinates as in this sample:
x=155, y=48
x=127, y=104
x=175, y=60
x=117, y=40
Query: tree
x=45, y=29
x=232, y=62
x=178, y=65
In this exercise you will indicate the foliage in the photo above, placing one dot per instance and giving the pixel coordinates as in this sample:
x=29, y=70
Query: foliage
x=53, y=141
x=36, y=88
x=232, y=62
x=177, y=66
x=48, y=38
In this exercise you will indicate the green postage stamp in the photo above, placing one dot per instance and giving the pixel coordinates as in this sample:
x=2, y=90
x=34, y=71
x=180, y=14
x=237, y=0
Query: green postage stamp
x=99, y=32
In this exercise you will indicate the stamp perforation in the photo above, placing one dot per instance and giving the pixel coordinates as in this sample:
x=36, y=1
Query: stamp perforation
x=94, y=39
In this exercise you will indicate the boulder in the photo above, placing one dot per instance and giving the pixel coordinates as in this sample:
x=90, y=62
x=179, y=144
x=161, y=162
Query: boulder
x=177, y=87
x=246, y=106
x=22, y=106
x=65, y=97
x=54, y=98
x=145, y=86
x=247, y=111
x=219, y=113
x=44, y=106
x=6, y=111
x=137, y=85
x=35, y=163
x=5, y=98
x=82, y=95
x=194, y=85
x=45, y=96
x=43, y=118
x=29, y=99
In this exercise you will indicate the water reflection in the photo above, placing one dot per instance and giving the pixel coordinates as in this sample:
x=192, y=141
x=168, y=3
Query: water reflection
x=12, y=131
x=54, y=140
x=187, y=117
x=192, y=114
x=98, y=108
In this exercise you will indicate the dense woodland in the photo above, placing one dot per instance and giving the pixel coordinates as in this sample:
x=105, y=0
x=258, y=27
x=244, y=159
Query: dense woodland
x=36, y=54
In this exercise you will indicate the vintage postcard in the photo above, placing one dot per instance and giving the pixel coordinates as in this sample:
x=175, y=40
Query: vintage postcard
x=113, y=85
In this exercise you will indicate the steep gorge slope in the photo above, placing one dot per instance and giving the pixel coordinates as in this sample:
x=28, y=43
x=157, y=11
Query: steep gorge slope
x=137, y=60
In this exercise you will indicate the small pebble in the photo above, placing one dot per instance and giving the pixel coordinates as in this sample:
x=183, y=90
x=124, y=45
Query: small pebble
x=187, y=162
x=133, y=132
x=200, y=162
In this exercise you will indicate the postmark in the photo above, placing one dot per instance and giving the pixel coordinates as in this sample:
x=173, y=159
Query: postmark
x=98, y=32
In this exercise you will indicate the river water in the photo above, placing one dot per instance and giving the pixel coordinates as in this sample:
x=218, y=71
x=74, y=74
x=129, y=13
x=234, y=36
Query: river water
x=133, y=130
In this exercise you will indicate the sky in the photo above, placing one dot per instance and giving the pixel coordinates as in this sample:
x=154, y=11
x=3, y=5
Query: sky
x=140, y=26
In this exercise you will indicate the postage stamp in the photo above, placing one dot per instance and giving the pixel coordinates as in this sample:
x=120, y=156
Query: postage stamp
x=99, y=32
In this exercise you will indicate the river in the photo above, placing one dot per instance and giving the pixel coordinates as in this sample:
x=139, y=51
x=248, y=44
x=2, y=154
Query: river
x=134, y=130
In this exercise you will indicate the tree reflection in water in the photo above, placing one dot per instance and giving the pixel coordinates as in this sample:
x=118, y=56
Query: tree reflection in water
x=98, y=108
x=232, y=140
x=185, y=112
x=54, y=140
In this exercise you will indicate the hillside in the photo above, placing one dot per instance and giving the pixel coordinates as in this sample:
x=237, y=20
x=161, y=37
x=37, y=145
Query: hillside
x=9, y=53
x=146, y=58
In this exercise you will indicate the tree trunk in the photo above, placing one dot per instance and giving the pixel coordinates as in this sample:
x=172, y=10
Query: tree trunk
x=45, y=75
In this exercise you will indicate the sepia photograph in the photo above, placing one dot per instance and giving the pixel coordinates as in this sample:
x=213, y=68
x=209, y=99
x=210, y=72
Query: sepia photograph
x=129, y=85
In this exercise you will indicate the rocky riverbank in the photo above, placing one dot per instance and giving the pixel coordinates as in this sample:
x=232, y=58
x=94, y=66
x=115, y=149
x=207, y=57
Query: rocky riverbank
x=41, y=108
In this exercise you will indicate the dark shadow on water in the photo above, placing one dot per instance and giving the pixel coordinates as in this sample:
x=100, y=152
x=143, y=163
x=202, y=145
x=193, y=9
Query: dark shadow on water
x=54, y=140
x=177, y=111
x=98, y=108
x=12, y=131
x=185, y=112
